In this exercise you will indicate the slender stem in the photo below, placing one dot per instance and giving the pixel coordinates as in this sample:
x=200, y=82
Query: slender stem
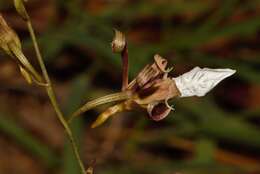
x=124, y=56
x=53, y=99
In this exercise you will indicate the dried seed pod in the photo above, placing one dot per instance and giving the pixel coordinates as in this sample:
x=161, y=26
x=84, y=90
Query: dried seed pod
x=119, y=42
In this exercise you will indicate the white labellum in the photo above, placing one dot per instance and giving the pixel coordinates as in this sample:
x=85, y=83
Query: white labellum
x=198, y=82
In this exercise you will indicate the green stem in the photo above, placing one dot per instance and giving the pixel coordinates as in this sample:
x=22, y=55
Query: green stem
x=53, y=99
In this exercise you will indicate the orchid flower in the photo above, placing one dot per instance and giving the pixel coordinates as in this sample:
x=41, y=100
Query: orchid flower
x=152, y=87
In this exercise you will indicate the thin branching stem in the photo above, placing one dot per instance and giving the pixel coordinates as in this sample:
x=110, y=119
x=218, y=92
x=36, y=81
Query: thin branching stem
x=51, y=94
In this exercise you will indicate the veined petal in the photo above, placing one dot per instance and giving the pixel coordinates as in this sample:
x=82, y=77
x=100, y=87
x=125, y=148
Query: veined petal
x=198, y=82
x=149, y=73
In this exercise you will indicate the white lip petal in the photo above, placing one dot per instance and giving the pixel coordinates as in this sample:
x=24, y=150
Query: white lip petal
x=198, y=82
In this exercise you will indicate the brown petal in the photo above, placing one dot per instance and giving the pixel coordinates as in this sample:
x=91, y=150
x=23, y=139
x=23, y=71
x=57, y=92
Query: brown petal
x=144, y=76
x=161, y=89
x=149, y=73
x=160, y=62
x=108, y=113
x=158, y=111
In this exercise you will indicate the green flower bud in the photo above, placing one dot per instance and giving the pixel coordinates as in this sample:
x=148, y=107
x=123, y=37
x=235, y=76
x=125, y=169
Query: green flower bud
x=20, y=8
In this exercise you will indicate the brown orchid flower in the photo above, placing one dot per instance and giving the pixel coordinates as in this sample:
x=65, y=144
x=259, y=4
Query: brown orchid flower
x=152, y=87
x=150, y=90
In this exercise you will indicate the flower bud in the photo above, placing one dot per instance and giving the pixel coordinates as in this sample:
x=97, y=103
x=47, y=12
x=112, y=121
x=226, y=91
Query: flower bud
x=7, y=36
x=26, y=75
x=10, y=43
x=119, y=42
x=21, y=9
x=17, y=52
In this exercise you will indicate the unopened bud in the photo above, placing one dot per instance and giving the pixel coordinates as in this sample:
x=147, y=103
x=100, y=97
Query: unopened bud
x=17, y=52
x=26, y=75
x=7, y=36
x=119, y=42
x=10, y=43
x=20, y=8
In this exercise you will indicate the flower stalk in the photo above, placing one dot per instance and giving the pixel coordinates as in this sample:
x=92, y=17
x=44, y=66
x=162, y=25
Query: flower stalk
x=49, y=89
x=124, y=56
x=53, y=99
x=119, y=45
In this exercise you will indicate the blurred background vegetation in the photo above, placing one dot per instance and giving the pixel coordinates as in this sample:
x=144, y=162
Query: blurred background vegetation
x=219, y=133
